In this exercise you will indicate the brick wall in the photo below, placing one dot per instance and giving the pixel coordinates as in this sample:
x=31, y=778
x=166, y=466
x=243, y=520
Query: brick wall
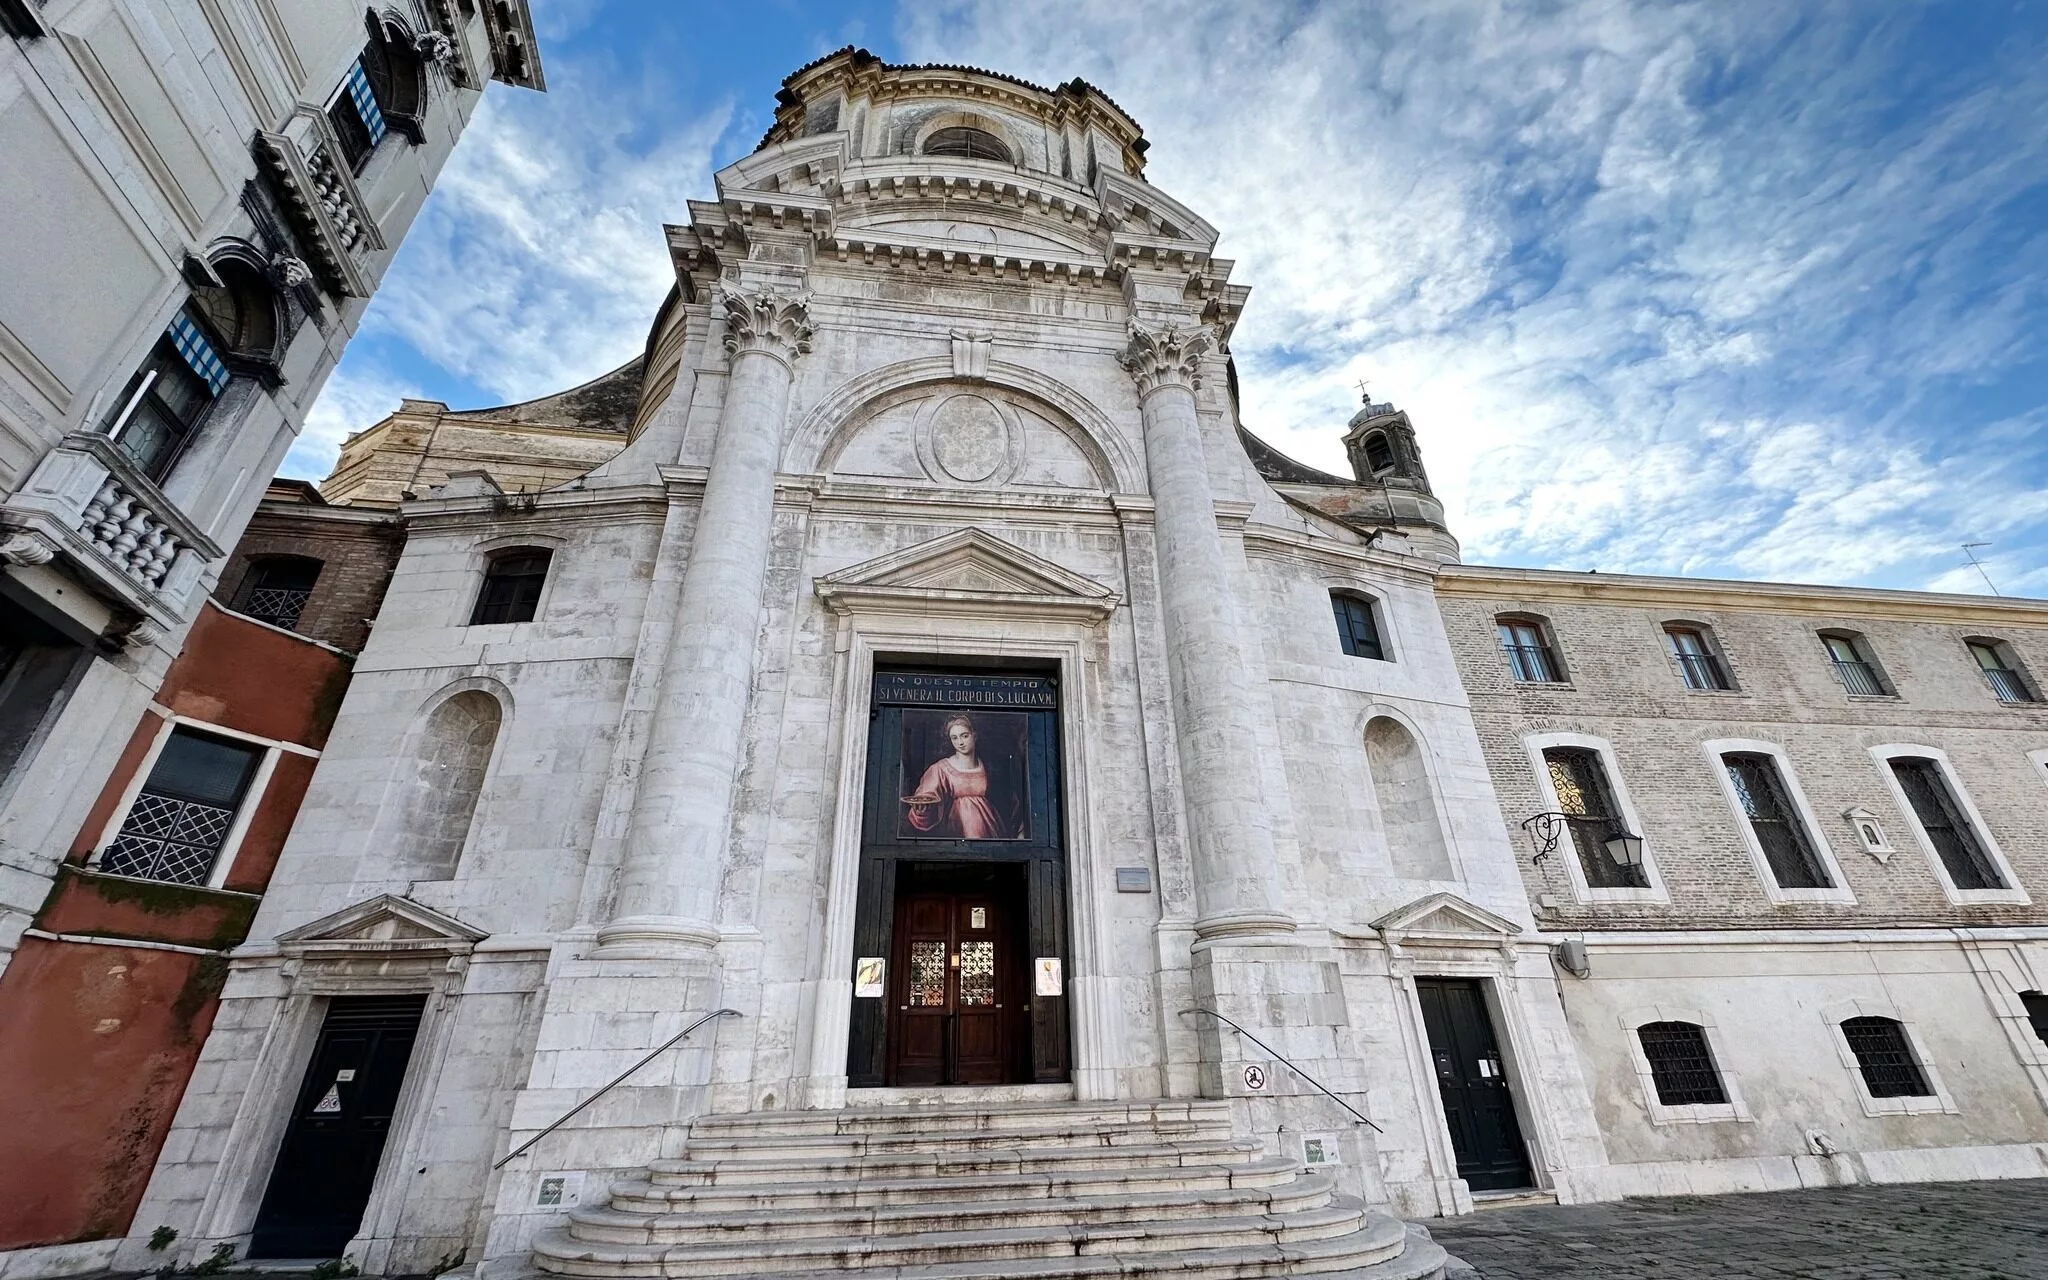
x=1624, y=686
x=357, y=551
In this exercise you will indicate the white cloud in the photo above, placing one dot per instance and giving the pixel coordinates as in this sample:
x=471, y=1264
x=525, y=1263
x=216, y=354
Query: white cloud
x=355, y=396
x=1667, y=288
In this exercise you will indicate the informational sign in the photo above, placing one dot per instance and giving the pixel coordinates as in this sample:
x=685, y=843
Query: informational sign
x=330, y=1101
x=1254, y=1077
x=977, y=917
x=1320, y=1148
x=345, y=1075
x=558, y=1190
x=1134, y=879
x=867, y=978
x=1049, y=982
x=938, y=689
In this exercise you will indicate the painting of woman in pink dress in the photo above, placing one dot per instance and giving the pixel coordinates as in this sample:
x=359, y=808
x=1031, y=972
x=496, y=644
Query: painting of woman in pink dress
x=961, y=796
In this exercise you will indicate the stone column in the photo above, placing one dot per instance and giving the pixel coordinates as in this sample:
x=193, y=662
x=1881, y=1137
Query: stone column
x=682, y=811
x=1231, y=842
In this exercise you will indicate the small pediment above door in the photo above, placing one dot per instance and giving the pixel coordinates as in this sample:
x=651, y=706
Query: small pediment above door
x=383, y=923
x=1446, y=919
x=967, y=573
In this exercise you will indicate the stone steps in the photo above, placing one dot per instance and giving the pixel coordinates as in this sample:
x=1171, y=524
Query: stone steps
x=1033, y=1189
x=629, y=1225
x=643, y=1196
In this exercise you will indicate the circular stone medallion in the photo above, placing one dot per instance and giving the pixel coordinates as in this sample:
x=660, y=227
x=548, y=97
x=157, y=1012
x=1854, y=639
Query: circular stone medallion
x=970, y=440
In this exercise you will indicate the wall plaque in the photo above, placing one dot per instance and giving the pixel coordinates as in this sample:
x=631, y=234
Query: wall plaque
x=1047, y=971
x=943, y=689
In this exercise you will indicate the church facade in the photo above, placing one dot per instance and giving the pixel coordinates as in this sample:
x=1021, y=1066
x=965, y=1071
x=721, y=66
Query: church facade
x=940, y=784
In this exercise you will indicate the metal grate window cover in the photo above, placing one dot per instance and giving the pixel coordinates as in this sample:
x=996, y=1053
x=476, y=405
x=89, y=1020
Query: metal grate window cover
x=1681, y=1065
x=1859, y=678
x=166, y=838
x=1886, y=1059
x=359, y=92
x=278, y=606
x=2007, y=685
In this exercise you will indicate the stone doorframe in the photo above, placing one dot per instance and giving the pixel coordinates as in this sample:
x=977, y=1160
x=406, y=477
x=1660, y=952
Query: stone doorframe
x=1444, y=936
x=386, y=946
x=972, y=595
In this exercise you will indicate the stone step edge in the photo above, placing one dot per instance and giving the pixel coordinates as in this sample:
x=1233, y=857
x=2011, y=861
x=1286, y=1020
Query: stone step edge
x=894, y=1115
x=996, y=1156
x=967, y=1139
x=1251, y=1173
x=1306, y=1187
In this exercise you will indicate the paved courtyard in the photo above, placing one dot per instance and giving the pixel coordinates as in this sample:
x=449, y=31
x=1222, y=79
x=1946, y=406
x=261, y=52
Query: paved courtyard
x=1958, y=1230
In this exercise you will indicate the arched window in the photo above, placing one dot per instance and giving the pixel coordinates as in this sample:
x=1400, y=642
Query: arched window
x=242, y=312
x=276, y=589
x=1379, y=454
x=1358, y=629
x=1525, y=639
x=967, y=144
x=1400, y=783
x=1681, y=1064
x=1692, y=647
x=1854, y=667
x=439, y=784
x=512, y=583
x=1885, y=1057
x=2001, y=669
x=382, y=89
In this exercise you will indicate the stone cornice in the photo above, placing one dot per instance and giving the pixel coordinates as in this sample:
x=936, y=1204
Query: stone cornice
x=1642, y=591
x=766, y=321
x=1167, y=356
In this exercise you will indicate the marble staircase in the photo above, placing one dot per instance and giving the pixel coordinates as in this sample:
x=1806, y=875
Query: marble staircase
x=1046, y=1191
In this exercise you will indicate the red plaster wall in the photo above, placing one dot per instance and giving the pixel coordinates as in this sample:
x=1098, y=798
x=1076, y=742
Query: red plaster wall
x=96, y=1044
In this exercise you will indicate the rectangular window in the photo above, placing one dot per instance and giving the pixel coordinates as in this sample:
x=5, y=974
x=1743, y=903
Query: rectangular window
x=164, y=402
x=1696, y=662
x=1357, y=630
x=1948, y=828
x=2004, y=681
x=1591, y=815
x=1885, y=1058
x=1681, y=1066
x=511, y=591
x=1767, y=805
x=357, y=119
x=1852, y=668
x=1529, y=657
x=181, y=818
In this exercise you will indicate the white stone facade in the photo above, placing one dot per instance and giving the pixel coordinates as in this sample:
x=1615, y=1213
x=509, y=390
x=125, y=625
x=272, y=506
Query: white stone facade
x=904, y=407
x=162, y=157
x=1769, y=971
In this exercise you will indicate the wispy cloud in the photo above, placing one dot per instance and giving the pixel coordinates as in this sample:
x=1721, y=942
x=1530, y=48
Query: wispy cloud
x=1727, y=289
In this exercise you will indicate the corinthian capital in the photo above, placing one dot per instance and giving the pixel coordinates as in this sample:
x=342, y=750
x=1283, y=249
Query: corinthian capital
x=764, y=320
x=1169, y=356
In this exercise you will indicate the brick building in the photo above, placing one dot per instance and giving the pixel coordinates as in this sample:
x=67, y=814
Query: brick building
x=1828, y=963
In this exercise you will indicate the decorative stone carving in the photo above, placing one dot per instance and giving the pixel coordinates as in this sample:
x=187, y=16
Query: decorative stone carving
x=967, y=440
x=121, y=525
x=970, y=354
x=288, y=272
x=765, y=320
x=24, y=547
x=433, y=46
x=1170, y=355
x=142, y=635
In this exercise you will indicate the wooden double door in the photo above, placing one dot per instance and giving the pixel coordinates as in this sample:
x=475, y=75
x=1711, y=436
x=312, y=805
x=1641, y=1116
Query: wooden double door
x=1473, y=1083
x=957, y=990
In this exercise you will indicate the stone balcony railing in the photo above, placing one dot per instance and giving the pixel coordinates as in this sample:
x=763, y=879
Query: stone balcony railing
x=87, y=506
x=304, y=162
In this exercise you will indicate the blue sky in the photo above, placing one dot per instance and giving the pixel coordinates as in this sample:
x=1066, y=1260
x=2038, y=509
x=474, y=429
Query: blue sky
x=1753, y=290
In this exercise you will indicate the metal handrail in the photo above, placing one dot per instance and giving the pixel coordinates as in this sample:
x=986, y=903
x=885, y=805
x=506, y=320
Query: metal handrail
x=1278, y=1057
x=616, y=1081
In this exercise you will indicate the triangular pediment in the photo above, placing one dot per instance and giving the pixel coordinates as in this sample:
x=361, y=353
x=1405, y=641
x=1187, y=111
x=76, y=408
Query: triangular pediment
x=965, y=571
x=383, y=922
x=1446, y=917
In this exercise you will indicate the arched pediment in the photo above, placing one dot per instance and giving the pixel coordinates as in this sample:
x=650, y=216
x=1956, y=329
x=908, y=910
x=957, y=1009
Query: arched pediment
x=933, y=426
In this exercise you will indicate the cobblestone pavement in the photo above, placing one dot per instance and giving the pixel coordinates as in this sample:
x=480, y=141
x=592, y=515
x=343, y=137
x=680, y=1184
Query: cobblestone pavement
x=1939, y=1231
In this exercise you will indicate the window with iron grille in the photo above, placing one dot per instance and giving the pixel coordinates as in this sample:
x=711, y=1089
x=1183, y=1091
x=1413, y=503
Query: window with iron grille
x=1681, y=1065
x=1766, y=803
x=1583, y=796
x=1528, y=651
x=1853, y=666
x=182, y=816
x=1697, y=662
x=967, y=144
x=1947, y=826
x=277, y=589
x=2002, y=675
x=1885, y=1057
x=1357, y=629
x=512, y=583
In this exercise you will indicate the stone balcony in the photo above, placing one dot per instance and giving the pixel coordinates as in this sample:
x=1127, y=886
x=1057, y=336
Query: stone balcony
x=304, y=164
x=87, y=507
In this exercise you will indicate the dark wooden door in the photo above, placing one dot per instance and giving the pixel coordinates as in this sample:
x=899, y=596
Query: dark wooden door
x=1474, y=1085
x=951, y=967
x=328, y=1162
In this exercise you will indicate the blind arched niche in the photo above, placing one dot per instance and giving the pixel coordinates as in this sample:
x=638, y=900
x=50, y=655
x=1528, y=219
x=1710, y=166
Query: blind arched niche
x=438, y=784
x=1407, y=806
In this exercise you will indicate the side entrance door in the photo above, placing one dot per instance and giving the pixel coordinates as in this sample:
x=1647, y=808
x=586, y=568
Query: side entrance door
x=951, y=958
x=328, y=1162
x=1473, y=1084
